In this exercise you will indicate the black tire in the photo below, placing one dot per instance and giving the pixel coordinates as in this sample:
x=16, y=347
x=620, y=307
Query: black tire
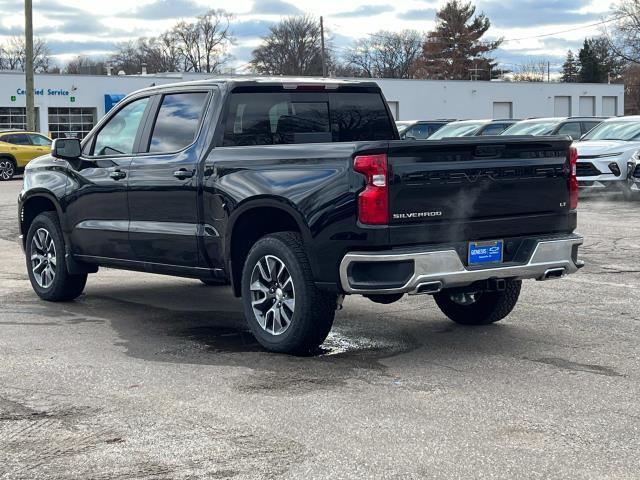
x=488, y=307
x=312, y=316
x=63, y=286
x=8, y=168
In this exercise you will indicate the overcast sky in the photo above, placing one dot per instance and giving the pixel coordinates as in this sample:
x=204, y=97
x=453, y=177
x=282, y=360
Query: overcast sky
x=92, y=27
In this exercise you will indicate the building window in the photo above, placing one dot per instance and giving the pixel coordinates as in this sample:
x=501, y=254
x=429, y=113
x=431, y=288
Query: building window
x=15, y=118
x=74, y=122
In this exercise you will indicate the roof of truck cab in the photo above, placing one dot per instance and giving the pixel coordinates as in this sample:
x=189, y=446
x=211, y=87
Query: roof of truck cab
x=264, y=81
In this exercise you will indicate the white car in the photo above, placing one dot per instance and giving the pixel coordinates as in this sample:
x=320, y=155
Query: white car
x=606, y=154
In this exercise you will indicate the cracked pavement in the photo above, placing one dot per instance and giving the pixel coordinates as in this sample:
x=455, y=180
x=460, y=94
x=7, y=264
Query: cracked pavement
x=157, y=377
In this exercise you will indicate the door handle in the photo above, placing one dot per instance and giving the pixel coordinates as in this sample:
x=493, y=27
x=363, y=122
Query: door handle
x=183, y=173
x=118, y=174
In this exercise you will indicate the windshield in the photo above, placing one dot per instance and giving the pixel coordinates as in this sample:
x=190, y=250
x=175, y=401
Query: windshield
x=531, y=128
x=466, y=129
x=615, y=131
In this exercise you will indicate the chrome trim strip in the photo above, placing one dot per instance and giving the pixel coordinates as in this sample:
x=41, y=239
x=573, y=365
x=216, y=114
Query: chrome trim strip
x=151, y=227
x=445, y=266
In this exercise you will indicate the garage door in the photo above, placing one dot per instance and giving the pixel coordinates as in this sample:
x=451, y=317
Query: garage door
x=394, y=107
x=610, y=106
x=15, y=118
x=587, y=106
x=562, y=107
x=502, y=110
x=71, y=122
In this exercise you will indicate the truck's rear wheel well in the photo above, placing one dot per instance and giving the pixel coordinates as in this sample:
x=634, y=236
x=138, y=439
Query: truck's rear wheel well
x=31, y=209
x=249, y=228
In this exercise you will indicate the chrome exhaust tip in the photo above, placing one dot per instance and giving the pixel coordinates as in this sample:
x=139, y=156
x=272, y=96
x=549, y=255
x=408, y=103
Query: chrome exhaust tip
x=554, y=273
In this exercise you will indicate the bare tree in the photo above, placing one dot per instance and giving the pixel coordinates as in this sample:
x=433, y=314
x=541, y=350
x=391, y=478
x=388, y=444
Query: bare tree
x=160, y=54
x=127, y=58
x=198, y=46
x=15, y=57
x=531, y=71
x=203, y=45
x=387, y=54
x=624, y=36
x=292, y=47
x=83, y=65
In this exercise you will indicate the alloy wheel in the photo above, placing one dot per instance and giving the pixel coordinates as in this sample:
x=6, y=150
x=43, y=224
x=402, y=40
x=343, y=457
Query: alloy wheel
x=6, y=169
x=43, y=258
x=272, y=295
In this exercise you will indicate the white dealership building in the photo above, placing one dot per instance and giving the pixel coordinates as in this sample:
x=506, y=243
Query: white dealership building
x=69, y=105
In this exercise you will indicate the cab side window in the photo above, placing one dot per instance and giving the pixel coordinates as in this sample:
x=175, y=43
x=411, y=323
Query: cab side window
x=118, y=135
x=178, y=121
x=17, y=139
x=419, y=132
x=572, y=129
x=39, y=140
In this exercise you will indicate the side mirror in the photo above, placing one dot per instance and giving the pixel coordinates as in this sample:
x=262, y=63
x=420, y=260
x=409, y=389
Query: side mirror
x=66, y=148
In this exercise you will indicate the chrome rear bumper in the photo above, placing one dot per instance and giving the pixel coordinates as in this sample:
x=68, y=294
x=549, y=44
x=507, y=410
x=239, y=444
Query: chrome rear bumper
x=433, y=270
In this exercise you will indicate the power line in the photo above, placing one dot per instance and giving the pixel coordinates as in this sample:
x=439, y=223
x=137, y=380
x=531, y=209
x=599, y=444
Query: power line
x=582, y=27
x=507, y=40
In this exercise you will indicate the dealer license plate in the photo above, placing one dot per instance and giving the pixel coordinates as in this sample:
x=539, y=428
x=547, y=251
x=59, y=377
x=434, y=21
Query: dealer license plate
x=485, y=252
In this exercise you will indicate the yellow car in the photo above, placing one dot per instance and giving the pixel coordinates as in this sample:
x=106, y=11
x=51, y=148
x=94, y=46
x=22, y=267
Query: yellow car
x=17, y=148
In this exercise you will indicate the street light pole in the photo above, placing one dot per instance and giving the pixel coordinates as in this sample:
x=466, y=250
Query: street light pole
x=28, y=32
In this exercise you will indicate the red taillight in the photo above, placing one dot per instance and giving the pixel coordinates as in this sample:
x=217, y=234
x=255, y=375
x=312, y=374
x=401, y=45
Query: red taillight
x=573, y=178
x=373, y=202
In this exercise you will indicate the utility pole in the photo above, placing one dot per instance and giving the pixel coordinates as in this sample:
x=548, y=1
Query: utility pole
x=324, y=62
x=28, y=33
x=548, y=72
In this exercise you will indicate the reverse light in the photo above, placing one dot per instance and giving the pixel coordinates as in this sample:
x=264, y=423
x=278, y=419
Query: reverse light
x=373, y=201
x=573, y=178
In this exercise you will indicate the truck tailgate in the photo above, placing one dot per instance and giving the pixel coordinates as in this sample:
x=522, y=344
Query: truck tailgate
x=478, y=188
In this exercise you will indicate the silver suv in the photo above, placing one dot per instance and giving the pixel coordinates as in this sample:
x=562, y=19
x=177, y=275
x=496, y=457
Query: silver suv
x=606, y=155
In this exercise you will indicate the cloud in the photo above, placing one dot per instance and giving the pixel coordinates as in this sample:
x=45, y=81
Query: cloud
x=529, y=13
x=418, y=14
x=365, y=11
x=59, y=47
x=167, y=9
x=8, y=7
x=274, y=7
x=251, y=28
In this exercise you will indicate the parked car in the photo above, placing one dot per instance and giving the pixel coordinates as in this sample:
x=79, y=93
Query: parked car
x=605, y=153
x=472, y=128
x=419, y=129
x=17, y=148
x=575, y=127
x=283, y=189
x=634, y=179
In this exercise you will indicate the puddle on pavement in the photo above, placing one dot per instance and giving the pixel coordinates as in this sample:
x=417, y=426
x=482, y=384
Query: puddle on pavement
x=232, y=340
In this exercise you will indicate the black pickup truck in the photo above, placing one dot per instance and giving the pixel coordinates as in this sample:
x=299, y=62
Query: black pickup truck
x=298, y=192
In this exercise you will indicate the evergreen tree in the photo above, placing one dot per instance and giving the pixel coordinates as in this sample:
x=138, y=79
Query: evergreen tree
x=455, y=49
x=590, y=70
x=597, y=62
x=569, y=69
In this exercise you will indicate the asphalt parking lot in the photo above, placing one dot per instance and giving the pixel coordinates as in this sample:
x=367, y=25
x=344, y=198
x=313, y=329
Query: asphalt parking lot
x=155, y=377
